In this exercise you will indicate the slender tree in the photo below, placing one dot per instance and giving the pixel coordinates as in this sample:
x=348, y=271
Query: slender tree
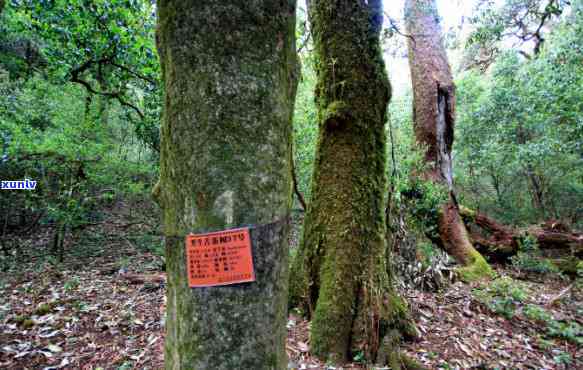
x=434, y=120
x=340, y=272
x=229, y=71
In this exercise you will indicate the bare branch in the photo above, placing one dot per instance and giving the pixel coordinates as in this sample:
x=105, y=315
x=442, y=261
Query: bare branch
x=134, y=73
x=75, y=77
x=395, y=28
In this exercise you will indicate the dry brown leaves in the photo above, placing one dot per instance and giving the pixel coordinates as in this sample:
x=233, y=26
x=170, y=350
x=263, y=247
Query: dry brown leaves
x=96, y=318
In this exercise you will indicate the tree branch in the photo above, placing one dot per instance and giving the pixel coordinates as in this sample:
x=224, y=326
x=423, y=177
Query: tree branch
x=75, y=77
x=75, y=73
x=134, y=73
x=395, y=28
x=295, y=183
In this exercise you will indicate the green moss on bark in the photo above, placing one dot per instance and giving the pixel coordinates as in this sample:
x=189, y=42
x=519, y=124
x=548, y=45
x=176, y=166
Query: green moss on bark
x=475, y=270
x=340, y=269
x=229, y=71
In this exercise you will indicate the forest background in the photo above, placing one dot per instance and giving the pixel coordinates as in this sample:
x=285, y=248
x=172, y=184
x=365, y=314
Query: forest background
x=80, y=107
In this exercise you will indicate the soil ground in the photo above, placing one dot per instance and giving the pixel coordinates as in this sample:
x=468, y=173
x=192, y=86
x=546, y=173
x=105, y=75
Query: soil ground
x=102, y=308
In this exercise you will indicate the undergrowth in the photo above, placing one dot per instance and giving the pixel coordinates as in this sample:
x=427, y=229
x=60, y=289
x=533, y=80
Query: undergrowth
x=508, y=297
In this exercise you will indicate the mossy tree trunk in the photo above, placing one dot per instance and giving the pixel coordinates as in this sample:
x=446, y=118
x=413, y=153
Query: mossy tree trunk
x=340, y=270
x=229, y=71
x=434, y=120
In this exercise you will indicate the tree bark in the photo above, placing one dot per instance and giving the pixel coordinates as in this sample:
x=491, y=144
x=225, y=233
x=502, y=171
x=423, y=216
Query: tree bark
x=434, y=121
x=229, y=71
x=535, y=181
x=103, y=101
x=500, y=242
x=340, y=272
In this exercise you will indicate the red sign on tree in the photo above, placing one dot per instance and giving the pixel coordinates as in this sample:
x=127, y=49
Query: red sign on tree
x=219, y=258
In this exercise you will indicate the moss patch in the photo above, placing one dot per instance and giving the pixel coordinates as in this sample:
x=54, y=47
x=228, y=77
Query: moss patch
x=478, y=269
x=342, y=255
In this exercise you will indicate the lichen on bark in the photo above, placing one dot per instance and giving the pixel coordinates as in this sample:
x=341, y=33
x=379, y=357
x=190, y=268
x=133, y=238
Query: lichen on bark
x=229, y=71
x=339, y=273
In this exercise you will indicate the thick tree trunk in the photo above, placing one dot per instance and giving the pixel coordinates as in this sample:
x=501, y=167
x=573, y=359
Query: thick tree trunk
x=434, y=114
x=340, y=270
x=229, y=71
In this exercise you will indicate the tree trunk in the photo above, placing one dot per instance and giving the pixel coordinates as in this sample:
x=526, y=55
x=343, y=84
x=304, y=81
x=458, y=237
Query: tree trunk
x=434, y=115
x=103, y=100
x=535, y=181
x=229, y=71
x=499, y=241
x=340, y=271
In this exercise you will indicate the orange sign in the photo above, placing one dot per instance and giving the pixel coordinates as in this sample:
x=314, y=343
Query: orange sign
x=219, y=258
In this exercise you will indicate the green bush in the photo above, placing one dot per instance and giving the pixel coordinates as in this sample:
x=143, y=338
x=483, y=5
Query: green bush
x=502, y=296
x=529, y=259
x=569, y=330
x=79, y=166
x=536, y=313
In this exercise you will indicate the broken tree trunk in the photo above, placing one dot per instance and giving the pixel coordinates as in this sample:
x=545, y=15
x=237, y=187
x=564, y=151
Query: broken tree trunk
x=434, y=120
x=500, y=242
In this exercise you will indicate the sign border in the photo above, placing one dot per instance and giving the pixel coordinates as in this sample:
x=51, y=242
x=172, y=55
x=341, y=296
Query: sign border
x=253, y=275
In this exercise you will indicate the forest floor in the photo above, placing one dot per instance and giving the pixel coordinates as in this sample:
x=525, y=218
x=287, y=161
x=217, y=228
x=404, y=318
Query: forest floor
x=102, y=308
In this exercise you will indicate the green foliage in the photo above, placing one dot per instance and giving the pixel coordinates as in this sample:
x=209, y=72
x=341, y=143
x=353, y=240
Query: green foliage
x=505, y=296
x=43, y=309
x=72, y=284
x=518, y=21
x=64, y=118
x=427, y=252
x=359, y=357
x=529, y=259
x=424, y=200
x=148, y=243
x=563, y=358
x=536, y=313
x=305, y=128
x=66, y=155
x=501, y=296
x=125, y=366
x=570, y=331
x=519, y=132
x=112, y=34
x=106, y=47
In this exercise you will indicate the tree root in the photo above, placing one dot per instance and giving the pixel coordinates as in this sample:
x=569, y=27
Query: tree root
x=390, y=354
